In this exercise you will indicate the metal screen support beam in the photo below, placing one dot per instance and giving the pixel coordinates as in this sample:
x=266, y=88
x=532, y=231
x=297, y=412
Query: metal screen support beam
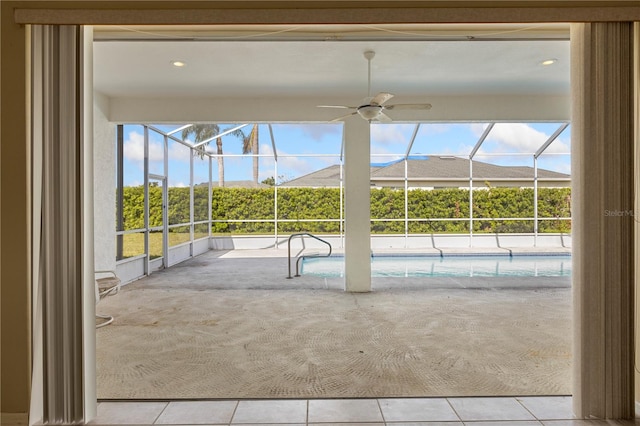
x=219, y=135
x=406, y=201
x=342, y=188
x=179, y=129
x=471, y=155
x=165, y=205
x=273, y=143
x=470, y=202
x=535, y=201
x=147, y=267
x=191, y=201
x=275, y=187
x=413, y=139
x=552, y=138
x=406, y=184
x=209, y=201
x=537, y=154
x=120, y=191
x=481, y=140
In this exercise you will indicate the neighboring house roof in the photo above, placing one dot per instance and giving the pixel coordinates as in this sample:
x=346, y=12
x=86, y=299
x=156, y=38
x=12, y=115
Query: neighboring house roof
x=430, y=169
x=329, y=176
x=438, y=168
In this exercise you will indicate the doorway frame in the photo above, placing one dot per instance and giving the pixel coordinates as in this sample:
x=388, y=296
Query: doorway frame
x=15, y=180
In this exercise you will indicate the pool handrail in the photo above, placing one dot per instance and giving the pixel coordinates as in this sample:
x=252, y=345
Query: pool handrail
x=302, y=234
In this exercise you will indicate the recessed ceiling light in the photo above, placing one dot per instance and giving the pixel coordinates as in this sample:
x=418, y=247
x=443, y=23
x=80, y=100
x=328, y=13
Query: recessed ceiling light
x=549, y=61
x=178, y=64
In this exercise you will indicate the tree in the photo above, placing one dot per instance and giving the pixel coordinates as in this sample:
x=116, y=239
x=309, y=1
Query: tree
x=271, y=181
x=206, y=132
x=250, y=145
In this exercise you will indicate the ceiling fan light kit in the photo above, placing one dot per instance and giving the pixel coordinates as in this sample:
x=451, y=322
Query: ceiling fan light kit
x=373, y=107
x=369, y=112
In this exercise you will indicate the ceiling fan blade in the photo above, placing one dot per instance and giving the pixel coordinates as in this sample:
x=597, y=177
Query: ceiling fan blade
x=343, y=117
x=383, y=118
x=381, y=98
x=336, y=106
x=408, y=106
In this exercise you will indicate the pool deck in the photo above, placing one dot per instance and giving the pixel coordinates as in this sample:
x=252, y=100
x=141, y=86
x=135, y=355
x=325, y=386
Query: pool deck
x=230, y=324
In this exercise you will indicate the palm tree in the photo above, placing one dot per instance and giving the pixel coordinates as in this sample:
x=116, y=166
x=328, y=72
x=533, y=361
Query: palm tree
x=203, y=132
x=250, y=146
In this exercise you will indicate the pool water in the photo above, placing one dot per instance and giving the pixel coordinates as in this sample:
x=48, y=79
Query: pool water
x=448, y=266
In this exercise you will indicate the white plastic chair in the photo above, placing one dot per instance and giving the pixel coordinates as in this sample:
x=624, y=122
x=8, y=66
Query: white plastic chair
x=106, y=286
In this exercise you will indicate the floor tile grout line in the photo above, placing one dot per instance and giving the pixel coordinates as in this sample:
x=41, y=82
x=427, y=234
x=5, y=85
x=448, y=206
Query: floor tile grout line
x=381, y=413
x=233, y=413
x=525, y=407
x=161, y=411
x=307, y=417
x=454, y=410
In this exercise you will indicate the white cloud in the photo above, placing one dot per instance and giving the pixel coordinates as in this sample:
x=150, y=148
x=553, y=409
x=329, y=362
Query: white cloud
x=435, y=128
x=179, y=152
x=286, y=165
x=379, y=150
x=519, y=137
x=134, y=148
x=318, y=131
x=556, y=164
x=462, y=149
x=178, y=155
x=391, y=134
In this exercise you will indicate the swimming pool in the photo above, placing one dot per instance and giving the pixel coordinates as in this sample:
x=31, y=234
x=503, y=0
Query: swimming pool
x=448, y=266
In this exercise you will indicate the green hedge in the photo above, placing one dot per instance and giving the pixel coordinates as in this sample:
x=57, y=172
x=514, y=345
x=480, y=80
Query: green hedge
x=302, y=204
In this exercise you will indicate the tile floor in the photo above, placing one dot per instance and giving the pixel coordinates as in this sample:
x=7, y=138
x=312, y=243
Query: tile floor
x=520, y=411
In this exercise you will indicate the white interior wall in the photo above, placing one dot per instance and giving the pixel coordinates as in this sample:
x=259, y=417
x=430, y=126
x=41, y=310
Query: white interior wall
x=104, y=162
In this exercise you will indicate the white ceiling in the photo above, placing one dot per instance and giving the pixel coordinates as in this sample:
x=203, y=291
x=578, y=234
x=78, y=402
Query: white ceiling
x=415, y=63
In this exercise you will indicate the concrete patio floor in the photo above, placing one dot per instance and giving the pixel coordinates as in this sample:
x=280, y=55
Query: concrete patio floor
x=230, y=325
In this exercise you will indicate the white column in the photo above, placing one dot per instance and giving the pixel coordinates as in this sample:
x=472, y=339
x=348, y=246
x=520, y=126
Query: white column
x=603, y=224
x=357, y=205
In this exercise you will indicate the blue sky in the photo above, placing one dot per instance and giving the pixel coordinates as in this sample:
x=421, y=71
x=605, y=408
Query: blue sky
x=303, y=148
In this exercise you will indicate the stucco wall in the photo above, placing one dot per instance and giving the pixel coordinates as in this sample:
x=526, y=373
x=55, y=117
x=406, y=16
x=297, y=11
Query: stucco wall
x=104, y=134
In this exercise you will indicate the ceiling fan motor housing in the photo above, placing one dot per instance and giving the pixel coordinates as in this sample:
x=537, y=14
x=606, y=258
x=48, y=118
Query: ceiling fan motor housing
x=370, y=112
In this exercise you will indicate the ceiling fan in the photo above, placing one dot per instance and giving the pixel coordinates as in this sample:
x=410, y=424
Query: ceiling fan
x=372, y=108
